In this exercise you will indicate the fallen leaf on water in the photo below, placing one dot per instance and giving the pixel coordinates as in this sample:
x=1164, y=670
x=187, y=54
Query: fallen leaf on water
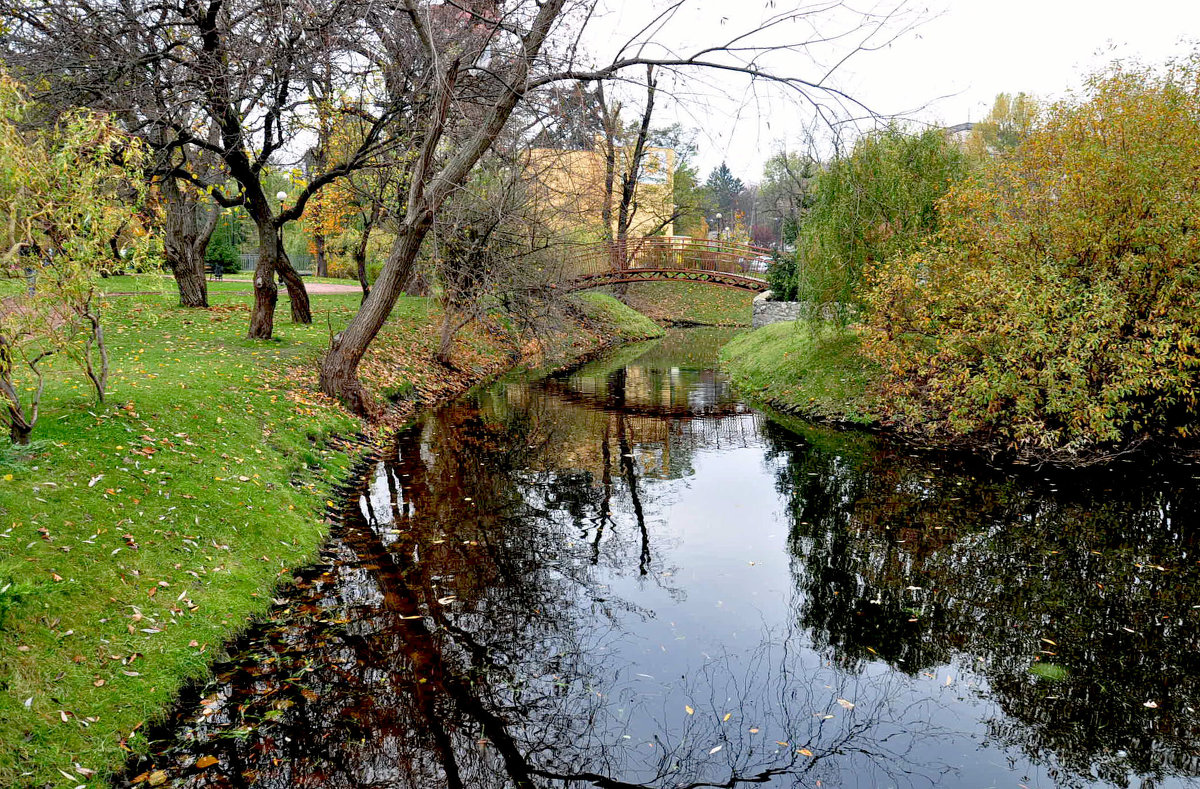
x=846, y=704
x=714, y=750
x=804, y=752
x=690, y=711
x=754, y=730
x=728, y=715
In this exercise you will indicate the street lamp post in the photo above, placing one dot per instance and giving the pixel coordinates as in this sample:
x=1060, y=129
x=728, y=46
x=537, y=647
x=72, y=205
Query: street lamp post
x=718, y=226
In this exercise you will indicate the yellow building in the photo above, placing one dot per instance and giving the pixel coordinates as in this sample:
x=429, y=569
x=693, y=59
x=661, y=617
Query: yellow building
x=571, y=184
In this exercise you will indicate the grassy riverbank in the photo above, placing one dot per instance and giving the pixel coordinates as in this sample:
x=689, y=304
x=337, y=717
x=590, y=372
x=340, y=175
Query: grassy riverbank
x=813, y=372
x=140, y=535
x=691, y=303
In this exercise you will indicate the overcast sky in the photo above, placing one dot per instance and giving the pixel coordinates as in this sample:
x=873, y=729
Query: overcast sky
x=965, y=53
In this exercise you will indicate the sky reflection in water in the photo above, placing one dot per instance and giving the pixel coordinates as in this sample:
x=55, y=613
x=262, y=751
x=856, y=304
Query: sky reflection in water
x=626, y=578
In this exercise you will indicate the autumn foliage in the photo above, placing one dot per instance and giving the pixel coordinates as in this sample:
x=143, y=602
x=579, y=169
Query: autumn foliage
x=1055, y=313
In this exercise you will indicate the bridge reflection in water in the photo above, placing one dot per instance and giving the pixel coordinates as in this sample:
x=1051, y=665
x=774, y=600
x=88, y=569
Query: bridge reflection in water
x=622, y=578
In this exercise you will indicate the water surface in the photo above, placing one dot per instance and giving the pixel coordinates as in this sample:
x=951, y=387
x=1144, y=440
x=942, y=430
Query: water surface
x=624, y=577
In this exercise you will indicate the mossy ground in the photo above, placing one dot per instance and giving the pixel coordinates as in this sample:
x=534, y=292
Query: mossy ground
x=139, y=535
x=812, y=371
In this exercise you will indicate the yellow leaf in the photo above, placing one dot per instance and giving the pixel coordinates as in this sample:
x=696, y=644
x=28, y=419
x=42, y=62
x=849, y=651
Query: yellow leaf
x=804, y=752
x=690, y=711
x=728, y=715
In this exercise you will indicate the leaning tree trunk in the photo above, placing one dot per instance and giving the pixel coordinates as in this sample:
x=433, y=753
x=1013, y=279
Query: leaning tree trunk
x=180, y=246
x=297, y=293
x=339, y=368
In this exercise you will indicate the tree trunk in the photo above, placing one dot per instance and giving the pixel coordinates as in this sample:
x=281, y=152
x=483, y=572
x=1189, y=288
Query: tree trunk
x=322, y=264
x=446, y=344
x=360, y=252
x=180, y=245
x=272, y=259
x=360, y=265
x=266, y=294
x=339, y=368
x=297, y=293
x=19, y=433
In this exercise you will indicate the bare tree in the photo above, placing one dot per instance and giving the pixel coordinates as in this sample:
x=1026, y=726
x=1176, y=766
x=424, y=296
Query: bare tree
x=530, y=46
x=491, y=252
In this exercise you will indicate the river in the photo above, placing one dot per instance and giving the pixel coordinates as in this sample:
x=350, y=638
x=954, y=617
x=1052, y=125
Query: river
x=625, y=577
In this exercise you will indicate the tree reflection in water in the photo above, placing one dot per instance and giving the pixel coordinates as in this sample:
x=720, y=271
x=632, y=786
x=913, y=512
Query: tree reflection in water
x=500, y=610
x=923, y=565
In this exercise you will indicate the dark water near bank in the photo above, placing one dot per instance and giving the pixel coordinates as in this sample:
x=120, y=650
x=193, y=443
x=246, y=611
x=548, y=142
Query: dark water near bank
x=626, y=578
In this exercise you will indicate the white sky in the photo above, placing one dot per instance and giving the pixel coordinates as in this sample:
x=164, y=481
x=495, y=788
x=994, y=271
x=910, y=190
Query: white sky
x=946, y=71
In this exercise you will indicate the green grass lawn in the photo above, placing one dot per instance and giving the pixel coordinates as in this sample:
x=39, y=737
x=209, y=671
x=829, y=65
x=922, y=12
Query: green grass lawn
x=708, y=305
x=139, y=535
x=815, y=372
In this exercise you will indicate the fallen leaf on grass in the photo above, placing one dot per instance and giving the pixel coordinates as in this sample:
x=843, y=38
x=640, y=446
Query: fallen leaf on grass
x=205, y=761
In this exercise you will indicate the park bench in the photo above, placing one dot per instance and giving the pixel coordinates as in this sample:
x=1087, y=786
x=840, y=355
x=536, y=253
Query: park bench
x=215, y=271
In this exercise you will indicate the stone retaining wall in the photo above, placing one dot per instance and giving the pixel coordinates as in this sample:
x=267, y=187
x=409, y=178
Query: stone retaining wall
x=767, y=312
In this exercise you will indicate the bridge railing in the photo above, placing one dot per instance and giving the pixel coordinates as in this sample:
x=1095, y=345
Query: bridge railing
x=675, y=253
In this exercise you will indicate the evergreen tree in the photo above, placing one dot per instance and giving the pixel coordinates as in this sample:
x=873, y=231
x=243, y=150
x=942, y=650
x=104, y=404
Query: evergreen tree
x=724, y=188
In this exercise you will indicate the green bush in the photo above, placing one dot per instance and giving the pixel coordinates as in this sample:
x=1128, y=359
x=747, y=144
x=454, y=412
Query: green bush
x=781, y=277
x=1057, y=313
x=221, y=254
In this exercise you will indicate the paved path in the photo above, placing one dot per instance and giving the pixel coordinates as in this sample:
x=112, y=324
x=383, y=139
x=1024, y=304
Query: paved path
x=313, y=288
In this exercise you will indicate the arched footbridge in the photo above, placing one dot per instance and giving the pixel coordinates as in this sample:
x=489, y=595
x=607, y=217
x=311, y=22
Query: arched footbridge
x=665, y=259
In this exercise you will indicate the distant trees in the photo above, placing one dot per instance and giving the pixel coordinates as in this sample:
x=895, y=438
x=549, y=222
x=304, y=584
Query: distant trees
x=1011, y=120
x=227, y=94
x=1056, y=313
x=789, y=181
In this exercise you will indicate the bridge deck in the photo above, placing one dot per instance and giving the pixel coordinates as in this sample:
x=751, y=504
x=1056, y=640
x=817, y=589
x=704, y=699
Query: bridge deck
x=671, y=258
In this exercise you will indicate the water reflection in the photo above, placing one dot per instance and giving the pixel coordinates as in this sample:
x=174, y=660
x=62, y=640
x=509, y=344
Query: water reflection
x=624, y=578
